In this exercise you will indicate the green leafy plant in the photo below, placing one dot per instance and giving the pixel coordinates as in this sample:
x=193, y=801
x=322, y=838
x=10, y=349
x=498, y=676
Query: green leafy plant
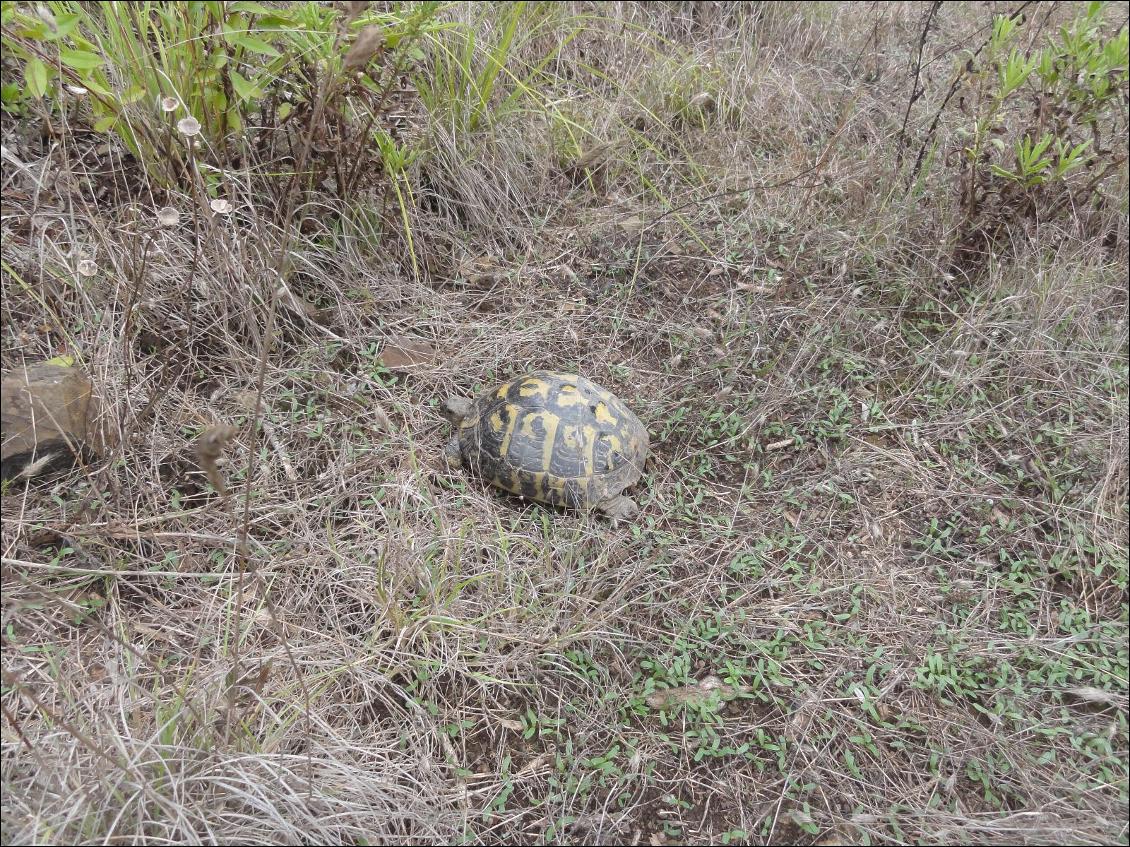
x=239, y=70
x=1041, y=119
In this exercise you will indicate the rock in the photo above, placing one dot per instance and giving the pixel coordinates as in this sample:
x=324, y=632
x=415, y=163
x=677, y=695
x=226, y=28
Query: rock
x=47, y=413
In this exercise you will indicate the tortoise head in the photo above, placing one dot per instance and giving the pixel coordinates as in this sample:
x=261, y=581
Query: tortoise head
x=457, y=408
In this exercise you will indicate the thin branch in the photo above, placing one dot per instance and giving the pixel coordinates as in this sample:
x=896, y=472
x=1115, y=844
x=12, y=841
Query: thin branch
x=916, y=90
x=966, y=68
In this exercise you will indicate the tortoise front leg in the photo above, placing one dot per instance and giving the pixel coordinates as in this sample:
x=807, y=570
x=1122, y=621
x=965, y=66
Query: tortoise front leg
x=452, y=453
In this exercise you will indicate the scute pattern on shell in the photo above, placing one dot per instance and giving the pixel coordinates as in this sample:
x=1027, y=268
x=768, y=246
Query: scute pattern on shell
x=554, y=437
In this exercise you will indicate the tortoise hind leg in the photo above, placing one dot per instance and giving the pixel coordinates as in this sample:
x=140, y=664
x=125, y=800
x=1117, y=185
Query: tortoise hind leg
x=619, y=508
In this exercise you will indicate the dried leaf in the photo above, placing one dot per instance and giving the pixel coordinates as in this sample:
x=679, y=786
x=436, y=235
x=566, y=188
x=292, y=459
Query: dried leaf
x=481, y=272
x=704, y=100
x=836, y=837
x=593, y=156
x=630, y=225
x=209, y=447
x=353, y=10
x=1091, y=694
x=779, y=445
x=239, y=682
x=369, y=41
x=248, y=401
x=407, y=354
x=693, y=693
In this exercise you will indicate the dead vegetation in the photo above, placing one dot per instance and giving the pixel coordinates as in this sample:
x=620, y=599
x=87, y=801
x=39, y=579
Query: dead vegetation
x=878, y=589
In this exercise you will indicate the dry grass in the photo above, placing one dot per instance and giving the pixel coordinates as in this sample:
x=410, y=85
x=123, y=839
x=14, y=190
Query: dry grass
x=897, y=512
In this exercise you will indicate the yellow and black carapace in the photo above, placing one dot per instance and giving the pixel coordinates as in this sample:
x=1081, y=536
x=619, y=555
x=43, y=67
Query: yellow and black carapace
x=553, y=437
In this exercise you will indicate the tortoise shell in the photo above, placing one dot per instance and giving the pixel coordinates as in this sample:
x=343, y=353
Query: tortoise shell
x=557, y=438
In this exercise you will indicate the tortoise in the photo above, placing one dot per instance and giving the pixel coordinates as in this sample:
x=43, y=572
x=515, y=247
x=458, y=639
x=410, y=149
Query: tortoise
x=552, y=437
